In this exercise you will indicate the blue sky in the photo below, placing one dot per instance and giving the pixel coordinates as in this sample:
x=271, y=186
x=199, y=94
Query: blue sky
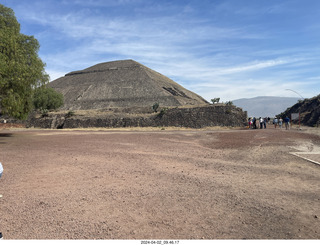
x=220, y=48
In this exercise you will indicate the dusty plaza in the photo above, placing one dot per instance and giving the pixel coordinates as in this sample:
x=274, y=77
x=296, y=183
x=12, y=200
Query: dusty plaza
x=160, y=184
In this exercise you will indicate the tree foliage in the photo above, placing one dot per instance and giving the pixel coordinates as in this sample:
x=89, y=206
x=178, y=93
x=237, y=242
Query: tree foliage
x=46, y=98
x=229, y=103
x=215, y=100
x=21, y=69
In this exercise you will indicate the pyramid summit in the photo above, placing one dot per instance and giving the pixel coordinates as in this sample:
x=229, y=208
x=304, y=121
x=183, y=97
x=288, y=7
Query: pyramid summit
x=122, y=83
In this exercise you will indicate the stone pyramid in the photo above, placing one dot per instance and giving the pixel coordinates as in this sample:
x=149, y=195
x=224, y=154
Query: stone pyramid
x=118, y=84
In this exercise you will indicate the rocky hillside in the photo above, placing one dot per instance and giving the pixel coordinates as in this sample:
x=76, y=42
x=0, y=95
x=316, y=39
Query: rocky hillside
x=309, y=111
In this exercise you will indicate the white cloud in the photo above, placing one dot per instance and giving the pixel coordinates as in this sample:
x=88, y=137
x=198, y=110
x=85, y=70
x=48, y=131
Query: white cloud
x=55, y=74
x=100, y=3
x=254, y=66
x=210, y=57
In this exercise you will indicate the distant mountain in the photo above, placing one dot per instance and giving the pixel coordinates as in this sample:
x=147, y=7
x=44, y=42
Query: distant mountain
x=265, y=106
x=309, y=110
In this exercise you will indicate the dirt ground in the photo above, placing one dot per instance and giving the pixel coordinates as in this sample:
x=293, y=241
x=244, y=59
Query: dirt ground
x=160, y=184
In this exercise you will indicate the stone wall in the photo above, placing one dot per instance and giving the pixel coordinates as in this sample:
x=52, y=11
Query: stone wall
x=193, y=117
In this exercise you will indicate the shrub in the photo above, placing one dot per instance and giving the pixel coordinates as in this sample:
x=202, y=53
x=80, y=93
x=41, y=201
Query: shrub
x=215, y=100
x=229, y=103
x=162, y=112
x=70, y=114
x=47, y=98
x=44, y=112
x=155, y=107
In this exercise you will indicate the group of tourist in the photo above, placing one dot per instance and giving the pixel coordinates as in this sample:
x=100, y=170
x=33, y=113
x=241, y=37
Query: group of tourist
x=261, y=123
x=279, y=122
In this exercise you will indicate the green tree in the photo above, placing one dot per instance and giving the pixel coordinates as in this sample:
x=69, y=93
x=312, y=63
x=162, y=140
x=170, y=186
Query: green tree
x=229, y=103
x=21, y=69
x=215, y=100
x=46, y=98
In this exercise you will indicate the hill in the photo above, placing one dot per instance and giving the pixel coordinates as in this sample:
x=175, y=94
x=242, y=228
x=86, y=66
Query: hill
x=265, y=105
x=119, y=84
x=309, y=111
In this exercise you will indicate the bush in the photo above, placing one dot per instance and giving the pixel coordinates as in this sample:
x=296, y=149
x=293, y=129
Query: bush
x=47, y=98
x=44, y=112
x=155, y=107
x=70, y=114
x=229, y=103
x=215, y=100
x=162, y=112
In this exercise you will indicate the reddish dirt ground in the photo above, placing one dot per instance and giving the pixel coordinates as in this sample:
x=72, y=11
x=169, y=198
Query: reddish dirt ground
x=186, y=184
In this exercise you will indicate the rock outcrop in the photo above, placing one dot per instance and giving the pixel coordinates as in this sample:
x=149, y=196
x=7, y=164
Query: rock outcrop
x=309, y=110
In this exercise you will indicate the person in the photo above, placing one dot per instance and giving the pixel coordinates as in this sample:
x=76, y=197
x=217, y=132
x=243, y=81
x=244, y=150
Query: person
x=261, y=122
x=254, y=123
x=275, y=122
x=287, y=122
x=265, y=122
x=1, y=171
x=280, y=122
